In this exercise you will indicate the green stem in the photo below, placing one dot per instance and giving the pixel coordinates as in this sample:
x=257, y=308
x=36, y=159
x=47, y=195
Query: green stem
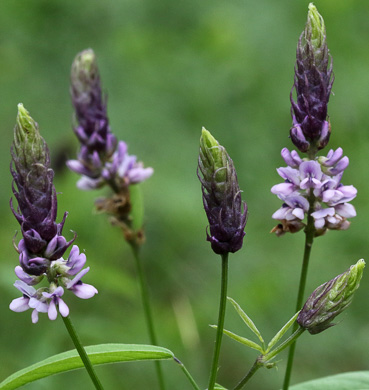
x=147, y=310
x=309, y=238
x=263, y=360
x=291, y=340
x=82, y=353
x=222, y=309
x=188, y=375
x=257, y=364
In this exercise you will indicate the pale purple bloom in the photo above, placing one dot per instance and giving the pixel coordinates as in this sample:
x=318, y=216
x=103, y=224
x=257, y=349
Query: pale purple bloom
x=322, y=177
x=311, y=175
x=55, y=300
x=81, y=290
x=76, y=261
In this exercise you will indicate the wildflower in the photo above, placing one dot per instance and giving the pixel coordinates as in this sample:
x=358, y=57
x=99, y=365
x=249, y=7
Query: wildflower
x=313, y=84
x=330, y=299
x=102, y=160
x=314, y=185
x=226, y=211
x=43, y=245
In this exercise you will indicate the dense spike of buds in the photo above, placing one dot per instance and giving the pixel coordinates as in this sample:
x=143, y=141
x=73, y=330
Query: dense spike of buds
x=226, y=211
x=102, y=159
x=42, y=246
x=33, y=184
x=313, y=84
x=330, y=299
x=320, y=178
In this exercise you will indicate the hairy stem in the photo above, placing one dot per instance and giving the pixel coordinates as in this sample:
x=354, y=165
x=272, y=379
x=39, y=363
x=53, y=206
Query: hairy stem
x=82, y=353
x=222, y=309
x=309, y=238
x=147, y=309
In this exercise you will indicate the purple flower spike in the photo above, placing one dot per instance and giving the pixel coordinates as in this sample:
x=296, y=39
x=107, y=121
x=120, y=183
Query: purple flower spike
x=313, y=84
x=42, y=247
x=103, y=160
x=223, y=205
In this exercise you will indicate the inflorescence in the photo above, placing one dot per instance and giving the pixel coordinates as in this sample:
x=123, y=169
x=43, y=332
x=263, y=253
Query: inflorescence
x=43, y=245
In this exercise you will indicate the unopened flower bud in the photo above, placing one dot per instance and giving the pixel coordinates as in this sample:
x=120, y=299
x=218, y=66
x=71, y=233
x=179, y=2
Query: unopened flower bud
x=330, y=299
x=28, y=145
x=223, y=205
x=313, y=84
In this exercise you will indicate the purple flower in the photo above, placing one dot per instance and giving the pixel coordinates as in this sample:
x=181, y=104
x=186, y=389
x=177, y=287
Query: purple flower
x=317, y=181
x=101, y=160
x=226, y=211
x=55, y=300
x=313, y=84
x=81, y=290
x=42, y=246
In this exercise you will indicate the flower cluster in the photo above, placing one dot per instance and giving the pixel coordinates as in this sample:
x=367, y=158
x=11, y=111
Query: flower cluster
x=314, y=186
x=226, y=212
x=101, y=159
x=330, y=299
x=43, y=245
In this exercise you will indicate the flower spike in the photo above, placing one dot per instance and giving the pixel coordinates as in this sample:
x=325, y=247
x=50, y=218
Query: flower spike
x=226, y=212
x=43, y=245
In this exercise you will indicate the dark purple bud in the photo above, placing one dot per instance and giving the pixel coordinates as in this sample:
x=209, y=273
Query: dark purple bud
x=33, y=241
x=57, y=247
x=313, y=84
x=298, y=138
x=33, y=265
x=226, y=211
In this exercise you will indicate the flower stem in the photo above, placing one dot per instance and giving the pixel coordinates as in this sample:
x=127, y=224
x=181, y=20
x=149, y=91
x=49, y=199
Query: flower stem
x=257, y=364
x=309, y=238
x=82, y=353
x=222, y=309
x=188, y=375
x=263, y=360
x=147, y=310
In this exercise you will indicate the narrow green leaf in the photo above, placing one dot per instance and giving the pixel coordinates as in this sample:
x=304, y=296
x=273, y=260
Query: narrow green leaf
x=241, y=339
x=280, y=334
x=219, y=387
x=70, y=360
x=246, y=319
x=358, y=380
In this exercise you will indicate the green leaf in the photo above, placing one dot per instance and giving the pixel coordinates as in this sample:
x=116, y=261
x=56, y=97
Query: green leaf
x=246, y=319
x=358, y=380
x=70, y=360
x=241, y=339
x=219, y=387
x=280, y=334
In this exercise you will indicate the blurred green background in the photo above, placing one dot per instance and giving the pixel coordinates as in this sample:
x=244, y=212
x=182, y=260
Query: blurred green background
x=169, y=68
